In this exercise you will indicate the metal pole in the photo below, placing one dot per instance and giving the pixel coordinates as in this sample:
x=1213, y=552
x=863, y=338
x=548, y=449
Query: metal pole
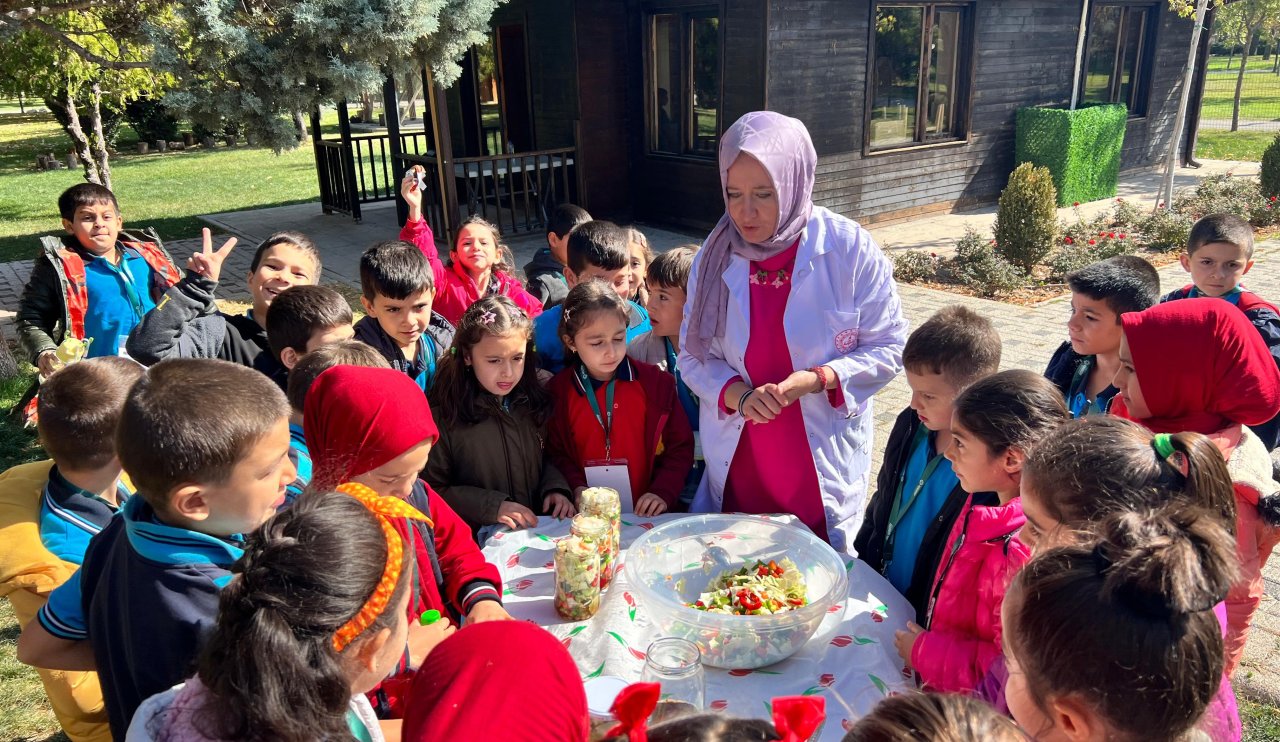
x=391, y=112
x=1171, y=159
x=1079, y=69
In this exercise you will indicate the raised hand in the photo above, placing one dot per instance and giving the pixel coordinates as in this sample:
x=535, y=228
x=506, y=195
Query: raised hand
x=410, y=192
x=208, y=262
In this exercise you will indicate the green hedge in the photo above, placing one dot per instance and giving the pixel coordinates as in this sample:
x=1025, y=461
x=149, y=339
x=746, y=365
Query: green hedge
x=1081, y=148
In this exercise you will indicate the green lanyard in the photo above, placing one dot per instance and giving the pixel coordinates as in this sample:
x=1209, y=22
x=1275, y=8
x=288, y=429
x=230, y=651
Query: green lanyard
x=900, y=508
x=606, y=419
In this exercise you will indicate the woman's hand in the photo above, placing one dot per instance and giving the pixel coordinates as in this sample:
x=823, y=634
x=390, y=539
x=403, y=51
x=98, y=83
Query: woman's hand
x=799, y=384
x=764, y=404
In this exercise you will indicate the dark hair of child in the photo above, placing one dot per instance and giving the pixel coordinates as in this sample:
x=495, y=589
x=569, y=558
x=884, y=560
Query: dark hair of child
x=581, y=306
x=395, y=269
x=937, y=717
x=565, y=218
x=84, y=194
x=269, y=663
x=955, y=342
x=310, y=366
x=1227, y=228
x=301, y=310
x=1127, y=283
x=1014, y=408
x=598, y=243
x=710, y=728
x=1149, y=657
x=504, y=260
x=671, y=269
x=455, y=396
x=192, y=420
x=1097, y=465
x=297, y=239
x=79, y=407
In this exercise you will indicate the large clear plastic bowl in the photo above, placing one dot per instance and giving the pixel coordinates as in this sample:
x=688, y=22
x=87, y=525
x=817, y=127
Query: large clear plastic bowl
x=671, y=565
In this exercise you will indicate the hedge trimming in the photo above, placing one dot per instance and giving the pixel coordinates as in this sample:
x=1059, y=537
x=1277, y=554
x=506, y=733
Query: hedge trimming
x=1081, y=148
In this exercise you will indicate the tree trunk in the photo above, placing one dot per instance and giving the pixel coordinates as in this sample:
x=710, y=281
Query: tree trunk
x=1244, y=64
x=22, y=106
x=300, y=126
x=99, y=139
x=76, y=132
x=1171, y=157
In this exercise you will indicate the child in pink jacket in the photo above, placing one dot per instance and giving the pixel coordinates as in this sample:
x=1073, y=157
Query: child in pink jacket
x=995, y=424
x=475, y=267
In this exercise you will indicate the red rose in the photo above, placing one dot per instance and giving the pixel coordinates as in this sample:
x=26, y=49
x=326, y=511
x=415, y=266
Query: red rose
x=933, y=254
x=1112, y=235
x=1093, y=242
x=1123, y=236
x=1069, y=241
x=1075, y=203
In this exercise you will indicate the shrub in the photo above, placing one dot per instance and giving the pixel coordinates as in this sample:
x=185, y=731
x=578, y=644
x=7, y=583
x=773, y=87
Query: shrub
x=1219, y=194
x=1102, y=236
x=915, y=265
x=1166, y=231
x=1127, y=216
x=1081, y=148
x=1070, y=256
x=1027, y=219
x=978, y=266
x=1271, y=169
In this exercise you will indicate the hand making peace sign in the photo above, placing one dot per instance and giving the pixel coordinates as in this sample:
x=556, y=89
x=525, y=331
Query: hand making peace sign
x=208, y=262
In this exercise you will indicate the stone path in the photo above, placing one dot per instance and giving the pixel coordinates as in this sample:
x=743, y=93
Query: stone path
x=1030, y=334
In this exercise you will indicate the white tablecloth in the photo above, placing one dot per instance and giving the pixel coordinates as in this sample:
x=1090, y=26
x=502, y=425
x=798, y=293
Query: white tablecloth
x=851, y=659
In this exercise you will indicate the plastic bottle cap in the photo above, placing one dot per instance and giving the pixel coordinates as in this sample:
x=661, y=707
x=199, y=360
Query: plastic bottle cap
x=429, y=617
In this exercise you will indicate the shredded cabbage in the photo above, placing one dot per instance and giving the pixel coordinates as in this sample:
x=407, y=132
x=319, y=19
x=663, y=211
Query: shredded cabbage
x=757, y=589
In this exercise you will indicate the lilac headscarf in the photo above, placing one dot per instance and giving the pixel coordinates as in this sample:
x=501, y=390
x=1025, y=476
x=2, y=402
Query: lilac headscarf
x=783, y=147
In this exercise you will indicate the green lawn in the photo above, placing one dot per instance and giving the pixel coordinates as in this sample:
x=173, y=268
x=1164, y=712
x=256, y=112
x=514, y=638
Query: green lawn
x=1261, y=722
x=165, y=190
x=1217, y=144
x=1259, y=98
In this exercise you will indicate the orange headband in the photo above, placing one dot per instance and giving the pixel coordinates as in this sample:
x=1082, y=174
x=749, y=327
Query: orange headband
x=385, y=508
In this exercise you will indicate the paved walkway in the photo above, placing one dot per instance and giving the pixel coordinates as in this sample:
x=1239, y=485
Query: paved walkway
x=1030, y=334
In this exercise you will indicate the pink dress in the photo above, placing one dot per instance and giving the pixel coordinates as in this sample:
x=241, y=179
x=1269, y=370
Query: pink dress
x=772, y=469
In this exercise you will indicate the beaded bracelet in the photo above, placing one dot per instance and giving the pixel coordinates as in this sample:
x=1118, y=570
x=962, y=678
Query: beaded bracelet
x=822, y=378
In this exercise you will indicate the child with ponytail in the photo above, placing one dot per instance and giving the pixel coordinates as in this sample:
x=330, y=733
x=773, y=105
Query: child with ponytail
x=489, y=463
x=1116, y=639
x=314, y=617
x=995, y=425
x=1098, y=466
x=1224, y=380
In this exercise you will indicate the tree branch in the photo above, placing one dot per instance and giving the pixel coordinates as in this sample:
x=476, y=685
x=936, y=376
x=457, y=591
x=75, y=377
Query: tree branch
x=82, y=52
x=18, y=15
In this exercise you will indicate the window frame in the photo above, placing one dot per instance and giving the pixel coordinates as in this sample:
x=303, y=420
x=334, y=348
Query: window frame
x=966, y=67
x=1140, y=89
x=686, y=14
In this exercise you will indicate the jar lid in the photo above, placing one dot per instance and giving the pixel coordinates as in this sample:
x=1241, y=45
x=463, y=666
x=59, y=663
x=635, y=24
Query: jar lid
x=601, y=693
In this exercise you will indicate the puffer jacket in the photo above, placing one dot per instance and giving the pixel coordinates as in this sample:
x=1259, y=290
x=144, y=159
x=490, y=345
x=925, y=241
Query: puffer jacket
x=455, y=291
x=477, y=467
x=962, y=637
x=1250, y=468
x=544, y=279
x=28, y=573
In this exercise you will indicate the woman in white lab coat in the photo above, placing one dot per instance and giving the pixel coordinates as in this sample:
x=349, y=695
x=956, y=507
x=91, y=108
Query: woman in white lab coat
x=792, y=324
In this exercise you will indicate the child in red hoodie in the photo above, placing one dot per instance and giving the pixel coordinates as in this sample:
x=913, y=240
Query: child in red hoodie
x=994, y=426
x=373, y=426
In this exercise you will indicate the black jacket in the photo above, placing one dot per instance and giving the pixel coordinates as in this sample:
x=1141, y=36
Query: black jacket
x=544, y=278
x=869, y=543
x=186, y=323
x=1062, y=370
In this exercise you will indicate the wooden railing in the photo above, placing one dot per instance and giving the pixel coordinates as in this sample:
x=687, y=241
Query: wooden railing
x=515, y=191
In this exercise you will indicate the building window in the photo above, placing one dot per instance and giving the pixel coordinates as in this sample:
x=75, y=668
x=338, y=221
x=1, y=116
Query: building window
x=1117, y=56
x=920, y=61
x=684, y=83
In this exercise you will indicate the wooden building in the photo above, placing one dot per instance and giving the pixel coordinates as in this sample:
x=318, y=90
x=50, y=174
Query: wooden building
x=911, y=105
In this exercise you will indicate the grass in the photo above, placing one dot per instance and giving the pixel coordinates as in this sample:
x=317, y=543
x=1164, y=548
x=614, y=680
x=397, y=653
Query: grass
x=1261, y=722
x=167, y=191
x=1217, y=144
x=1259, y=97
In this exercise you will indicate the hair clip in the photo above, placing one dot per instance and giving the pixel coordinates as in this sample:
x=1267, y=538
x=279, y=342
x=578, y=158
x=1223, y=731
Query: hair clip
x=1163, y=445
x=488, y=317
x=632, y=708
x=453, y=351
